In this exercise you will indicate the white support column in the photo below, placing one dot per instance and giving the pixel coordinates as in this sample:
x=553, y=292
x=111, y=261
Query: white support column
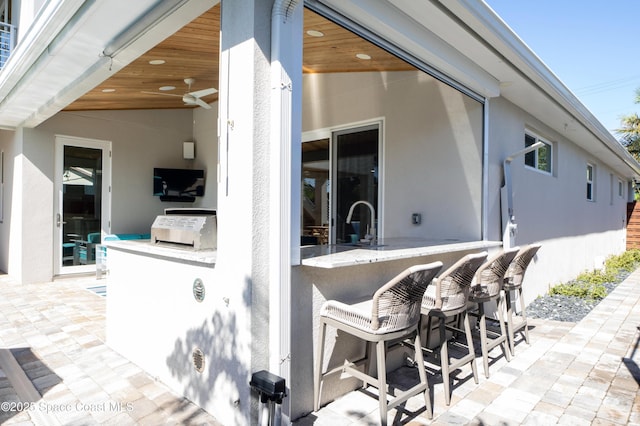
x=286, y=125
x=244, y=196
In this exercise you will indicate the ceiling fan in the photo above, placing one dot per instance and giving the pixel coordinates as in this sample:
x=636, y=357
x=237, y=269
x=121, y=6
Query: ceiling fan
x=191, y=98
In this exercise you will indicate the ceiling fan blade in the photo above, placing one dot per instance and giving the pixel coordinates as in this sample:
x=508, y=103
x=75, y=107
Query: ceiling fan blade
x=202, y=103
x=203, y=92
x=160, y=93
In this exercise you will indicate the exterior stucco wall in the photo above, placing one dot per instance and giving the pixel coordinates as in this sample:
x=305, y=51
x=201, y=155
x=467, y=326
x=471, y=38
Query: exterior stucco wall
x=205, y=135
x=576, y=234
x=244, y=255
x=432, y=159
x=10, y=244
x=141, y=140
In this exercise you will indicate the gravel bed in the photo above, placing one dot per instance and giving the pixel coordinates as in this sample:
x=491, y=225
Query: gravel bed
x=566, y=308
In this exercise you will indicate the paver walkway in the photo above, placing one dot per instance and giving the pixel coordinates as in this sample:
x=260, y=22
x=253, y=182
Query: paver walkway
x=570, y=374
x=56, y=333
x=585, y=373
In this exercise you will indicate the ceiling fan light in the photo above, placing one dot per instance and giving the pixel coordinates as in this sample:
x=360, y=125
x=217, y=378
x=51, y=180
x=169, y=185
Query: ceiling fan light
x=167, y=88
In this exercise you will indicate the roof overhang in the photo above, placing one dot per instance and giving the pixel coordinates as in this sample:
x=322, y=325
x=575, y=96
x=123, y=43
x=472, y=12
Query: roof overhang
x=73, y=45
x=467, y=40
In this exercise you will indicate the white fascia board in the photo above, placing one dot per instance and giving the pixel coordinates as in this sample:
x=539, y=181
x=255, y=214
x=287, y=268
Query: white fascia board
x=486, y=23
x=392, y=24
x=48, y=23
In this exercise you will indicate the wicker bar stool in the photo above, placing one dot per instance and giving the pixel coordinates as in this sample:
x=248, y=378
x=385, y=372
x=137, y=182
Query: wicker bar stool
x=487, y=288
x=446, y=300
x=391, y=315
x=513, y=282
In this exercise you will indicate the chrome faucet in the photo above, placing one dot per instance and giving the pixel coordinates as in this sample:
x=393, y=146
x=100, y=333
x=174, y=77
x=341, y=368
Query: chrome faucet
x=370, y=236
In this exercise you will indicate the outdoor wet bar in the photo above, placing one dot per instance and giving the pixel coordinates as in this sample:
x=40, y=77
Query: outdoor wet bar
x=339, y=255
x=347, y=273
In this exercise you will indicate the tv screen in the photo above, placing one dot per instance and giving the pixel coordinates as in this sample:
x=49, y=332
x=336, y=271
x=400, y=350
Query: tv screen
x=177, y=184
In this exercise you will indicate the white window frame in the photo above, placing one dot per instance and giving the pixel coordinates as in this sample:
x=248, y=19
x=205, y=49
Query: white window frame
x=620, y=188
x=591, y=182
x=536, y=153
x=329, y=133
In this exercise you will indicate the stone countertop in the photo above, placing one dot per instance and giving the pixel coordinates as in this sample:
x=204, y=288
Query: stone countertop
x=170, y=252
x=339, y=255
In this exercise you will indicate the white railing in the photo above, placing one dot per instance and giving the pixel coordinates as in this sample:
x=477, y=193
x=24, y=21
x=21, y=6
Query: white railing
x=7, y=42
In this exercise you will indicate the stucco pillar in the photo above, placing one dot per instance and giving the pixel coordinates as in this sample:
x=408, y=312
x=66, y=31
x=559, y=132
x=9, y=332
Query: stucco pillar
x=242, y=266
x=28, y=213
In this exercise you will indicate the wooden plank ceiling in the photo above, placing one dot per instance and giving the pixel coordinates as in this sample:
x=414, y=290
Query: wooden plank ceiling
x=193, y=52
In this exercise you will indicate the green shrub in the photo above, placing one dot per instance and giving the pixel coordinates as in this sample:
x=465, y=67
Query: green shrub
x=590, y=284
x=581, y=289
x=627, y=261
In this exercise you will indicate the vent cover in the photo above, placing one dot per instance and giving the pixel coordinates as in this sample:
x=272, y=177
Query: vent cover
x=198, y=360
x=198, y=290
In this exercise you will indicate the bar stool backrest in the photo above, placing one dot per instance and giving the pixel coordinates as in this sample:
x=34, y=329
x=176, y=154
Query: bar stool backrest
x=396, y=305
x=490, y=275
x=452, y=286
x=517, y=269
x=515, y=272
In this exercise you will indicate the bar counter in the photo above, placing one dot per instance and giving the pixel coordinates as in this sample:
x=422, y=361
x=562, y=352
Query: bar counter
x=340, y=255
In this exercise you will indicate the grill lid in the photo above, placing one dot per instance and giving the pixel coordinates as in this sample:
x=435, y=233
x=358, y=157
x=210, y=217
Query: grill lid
x=198, y=232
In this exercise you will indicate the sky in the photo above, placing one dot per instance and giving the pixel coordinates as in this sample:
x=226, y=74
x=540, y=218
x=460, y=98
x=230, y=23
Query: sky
x=592, y=46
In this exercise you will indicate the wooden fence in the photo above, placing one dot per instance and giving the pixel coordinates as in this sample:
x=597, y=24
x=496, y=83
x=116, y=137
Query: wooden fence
x=633, y=225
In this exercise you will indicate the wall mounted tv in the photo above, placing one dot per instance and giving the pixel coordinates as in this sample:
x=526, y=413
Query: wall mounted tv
x=182, y=185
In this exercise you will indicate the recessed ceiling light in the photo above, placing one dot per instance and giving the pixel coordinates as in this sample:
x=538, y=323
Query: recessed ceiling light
x=157, y=62
x=108, y=90
x=363, y=56
x=167, y=88
x=315, y=33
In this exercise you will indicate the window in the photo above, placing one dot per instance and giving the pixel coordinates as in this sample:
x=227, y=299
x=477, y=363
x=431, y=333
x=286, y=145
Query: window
x=541, y=158
x=590, y=182
x=620, y=189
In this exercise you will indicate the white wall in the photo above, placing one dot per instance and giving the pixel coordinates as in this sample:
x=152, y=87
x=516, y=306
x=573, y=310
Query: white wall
x=141, y=140
x=432, y=146
x=153, y=297
x=575, y=233
x=205, y=134
x=10, y=144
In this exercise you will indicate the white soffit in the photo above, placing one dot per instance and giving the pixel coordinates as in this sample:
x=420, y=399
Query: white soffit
x=39, y=82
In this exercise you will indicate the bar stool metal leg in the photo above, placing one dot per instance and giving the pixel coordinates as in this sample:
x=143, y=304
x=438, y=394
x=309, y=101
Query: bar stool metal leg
x=318, y=374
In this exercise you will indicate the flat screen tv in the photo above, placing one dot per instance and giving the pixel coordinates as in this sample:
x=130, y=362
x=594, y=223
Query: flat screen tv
x=178, y=184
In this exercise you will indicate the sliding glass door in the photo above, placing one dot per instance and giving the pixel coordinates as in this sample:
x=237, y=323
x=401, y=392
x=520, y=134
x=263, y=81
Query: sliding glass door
x=340, y=175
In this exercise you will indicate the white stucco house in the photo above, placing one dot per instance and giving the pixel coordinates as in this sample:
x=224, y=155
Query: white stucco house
x=423, y=109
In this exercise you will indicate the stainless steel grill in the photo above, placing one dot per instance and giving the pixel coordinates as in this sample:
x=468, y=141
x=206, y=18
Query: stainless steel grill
x=189, y=228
